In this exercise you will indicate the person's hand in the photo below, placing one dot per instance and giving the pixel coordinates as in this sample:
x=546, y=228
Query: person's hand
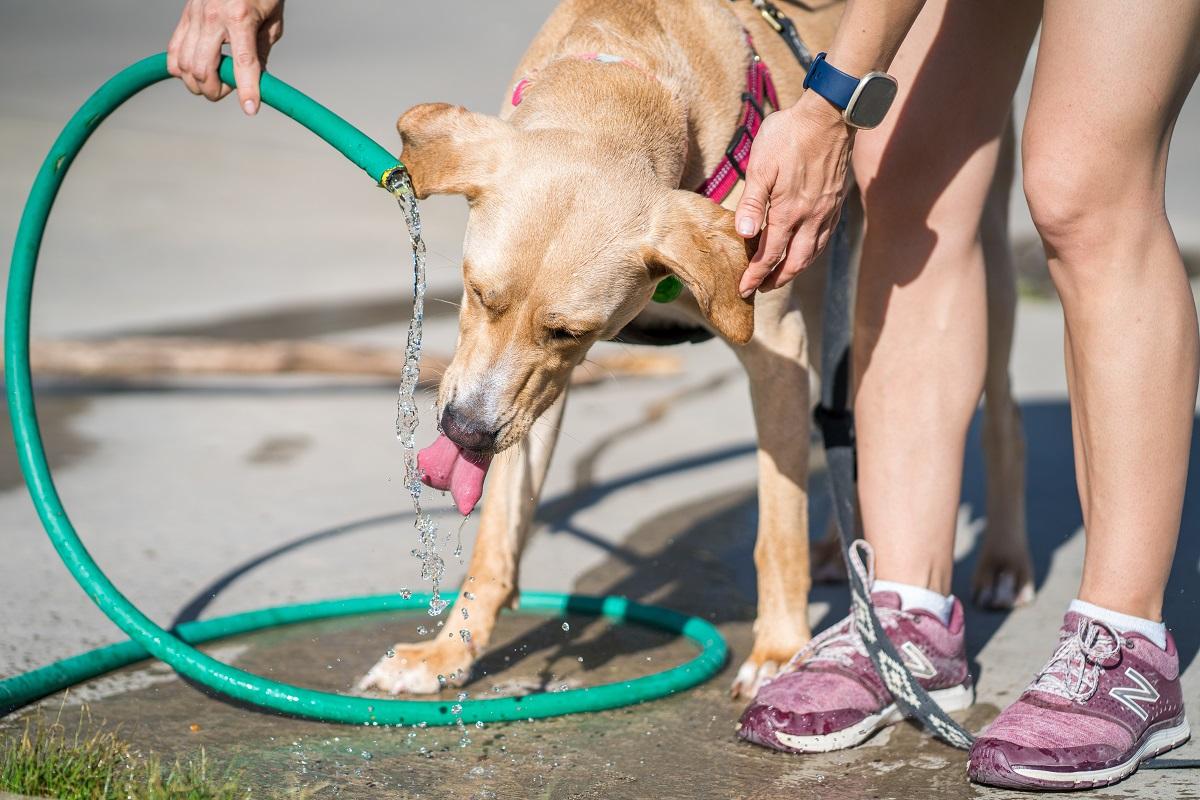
x=795, y=183
x=250, y=27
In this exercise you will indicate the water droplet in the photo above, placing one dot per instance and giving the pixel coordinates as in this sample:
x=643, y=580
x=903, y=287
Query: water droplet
x=422, y=630
x=566, y=626
x=405, y=594
x=479, y=724
x=469, y=595
x=465, y=634
x=391, y=653
x=456, y=709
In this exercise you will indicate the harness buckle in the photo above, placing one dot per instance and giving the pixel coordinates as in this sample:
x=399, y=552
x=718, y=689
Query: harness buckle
x=749, y=98
x=741, y=133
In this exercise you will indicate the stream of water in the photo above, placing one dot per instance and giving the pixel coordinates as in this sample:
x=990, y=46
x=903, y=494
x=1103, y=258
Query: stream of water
x=433, y=567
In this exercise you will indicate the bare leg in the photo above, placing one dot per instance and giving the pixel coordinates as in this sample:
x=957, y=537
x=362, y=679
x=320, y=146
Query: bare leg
x=921, y=314
x=1095, y=152
x=509, y=503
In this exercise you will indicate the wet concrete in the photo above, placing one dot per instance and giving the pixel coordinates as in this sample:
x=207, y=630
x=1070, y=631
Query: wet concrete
x=681, y=747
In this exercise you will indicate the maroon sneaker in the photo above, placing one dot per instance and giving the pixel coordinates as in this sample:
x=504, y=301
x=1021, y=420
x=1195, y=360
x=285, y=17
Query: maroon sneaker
x=832, y=698
x=1103, y=704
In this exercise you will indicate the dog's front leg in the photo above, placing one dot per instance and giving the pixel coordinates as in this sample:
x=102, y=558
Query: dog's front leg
x=509, y=503
x=776, y=362
x=1004, y=573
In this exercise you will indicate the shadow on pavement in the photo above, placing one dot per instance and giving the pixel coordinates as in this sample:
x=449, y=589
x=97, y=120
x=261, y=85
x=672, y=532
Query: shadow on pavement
x=698, y=558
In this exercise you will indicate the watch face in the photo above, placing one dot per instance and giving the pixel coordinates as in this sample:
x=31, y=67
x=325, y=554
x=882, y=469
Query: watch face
x=871, y=100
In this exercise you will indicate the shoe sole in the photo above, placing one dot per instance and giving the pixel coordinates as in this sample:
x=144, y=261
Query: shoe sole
x=956, y=698
x=996, y=771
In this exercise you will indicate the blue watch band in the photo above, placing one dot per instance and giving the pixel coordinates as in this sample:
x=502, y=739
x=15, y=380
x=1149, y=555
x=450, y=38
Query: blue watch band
x=830, y=82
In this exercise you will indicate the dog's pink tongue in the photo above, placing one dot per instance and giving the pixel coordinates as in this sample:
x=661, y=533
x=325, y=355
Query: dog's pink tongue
x=444, y=465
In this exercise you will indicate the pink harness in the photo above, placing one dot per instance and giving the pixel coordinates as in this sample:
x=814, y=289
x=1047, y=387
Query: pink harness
x=760, y=93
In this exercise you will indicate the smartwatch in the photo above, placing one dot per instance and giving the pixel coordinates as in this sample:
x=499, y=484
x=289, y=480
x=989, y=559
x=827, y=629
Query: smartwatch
x=863, y=101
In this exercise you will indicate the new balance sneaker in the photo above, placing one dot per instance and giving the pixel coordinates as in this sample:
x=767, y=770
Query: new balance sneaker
x=1103, y=704
x=833, y=698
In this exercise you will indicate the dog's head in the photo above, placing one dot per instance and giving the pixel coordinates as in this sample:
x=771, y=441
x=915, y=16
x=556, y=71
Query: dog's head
x=565, y=243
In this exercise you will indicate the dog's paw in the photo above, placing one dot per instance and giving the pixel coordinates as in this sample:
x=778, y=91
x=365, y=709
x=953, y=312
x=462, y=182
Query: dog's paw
x=1003, y=581
x=770, y=656
x=424, y=668
x=751, y=675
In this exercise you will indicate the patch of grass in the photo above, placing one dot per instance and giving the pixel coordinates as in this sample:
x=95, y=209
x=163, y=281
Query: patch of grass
x=46, y=760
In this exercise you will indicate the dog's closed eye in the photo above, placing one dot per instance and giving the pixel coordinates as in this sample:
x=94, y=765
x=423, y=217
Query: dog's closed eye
x=488, y=298
x=562, y=335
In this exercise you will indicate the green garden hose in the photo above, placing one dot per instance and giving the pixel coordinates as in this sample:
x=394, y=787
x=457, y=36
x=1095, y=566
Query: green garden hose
x=148, y=639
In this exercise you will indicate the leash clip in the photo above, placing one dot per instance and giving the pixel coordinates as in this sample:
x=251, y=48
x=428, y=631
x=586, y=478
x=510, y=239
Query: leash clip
x=765, y=11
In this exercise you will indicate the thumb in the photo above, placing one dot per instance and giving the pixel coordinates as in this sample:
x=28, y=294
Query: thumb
x=751, y=211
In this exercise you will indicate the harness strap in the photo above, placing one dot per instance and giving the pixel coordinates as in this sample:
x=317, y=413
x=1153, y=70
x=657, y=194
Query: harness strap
x=758, y=100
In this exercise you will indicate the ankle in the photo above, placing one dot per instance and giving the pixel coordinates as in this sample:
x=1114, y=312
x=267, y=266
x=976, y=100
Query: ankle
x=1153, y=630
x=914, y=598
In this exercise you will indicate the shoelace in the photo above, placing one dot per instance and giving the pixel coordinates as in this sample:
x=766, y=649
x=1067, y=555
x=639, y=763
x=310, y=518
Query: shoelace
x=1073, y=672
x=842, y=642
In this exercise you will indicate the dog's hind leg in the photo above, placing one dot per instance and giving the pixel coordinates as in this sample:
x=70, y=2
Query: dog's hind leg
x=1004, y=575
x=510, y=500
x=776, y=362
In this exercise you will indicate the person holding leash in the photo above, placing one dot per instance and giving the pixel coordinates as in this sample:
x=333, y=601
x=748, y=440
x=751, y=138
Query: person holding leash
x=1109, y=83
x=1110, y=80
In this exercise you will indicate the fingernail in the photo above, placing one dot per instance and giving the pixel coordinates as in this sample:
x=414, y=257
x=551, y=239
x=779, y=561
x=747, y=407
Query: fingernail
x=249, y=108
x=745, y=226
x=746, y=293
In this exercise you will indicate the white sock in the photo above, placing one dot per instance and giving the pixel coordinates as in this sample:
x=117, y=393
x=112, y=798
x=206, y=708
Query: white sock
x=1154, y=631
x=914, y=597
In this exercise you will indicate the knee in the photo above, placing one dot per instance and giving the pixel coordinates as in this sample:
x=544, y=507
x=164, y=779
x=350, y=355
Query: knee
x=1082, y=206
x=1060, y=200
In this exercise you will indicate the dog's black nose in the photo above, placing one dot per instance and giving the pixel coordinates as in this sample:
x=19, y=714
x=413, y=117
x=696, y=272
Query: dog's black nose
x=466, y=432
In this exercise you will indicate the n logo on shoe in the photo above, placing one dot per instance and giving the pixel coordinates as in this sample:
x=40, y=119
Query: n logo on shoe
x=1130, y=696
x=917, y=662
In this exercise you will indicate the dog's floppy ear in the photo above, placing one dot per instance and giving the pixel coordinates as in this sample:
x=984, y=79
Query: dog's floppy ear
x=694, y=240
x=450, y=150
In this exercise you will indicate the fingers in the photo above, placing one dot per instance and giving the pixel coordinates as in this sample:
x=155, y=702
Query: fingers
x=243, y=43
x=772, y=247
x=194, y=52
x=751, y=215
x=181, y=49
x=800, y=255
x=805, y=248
x=205, y=60
x=173, y=46
x=752, y=208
